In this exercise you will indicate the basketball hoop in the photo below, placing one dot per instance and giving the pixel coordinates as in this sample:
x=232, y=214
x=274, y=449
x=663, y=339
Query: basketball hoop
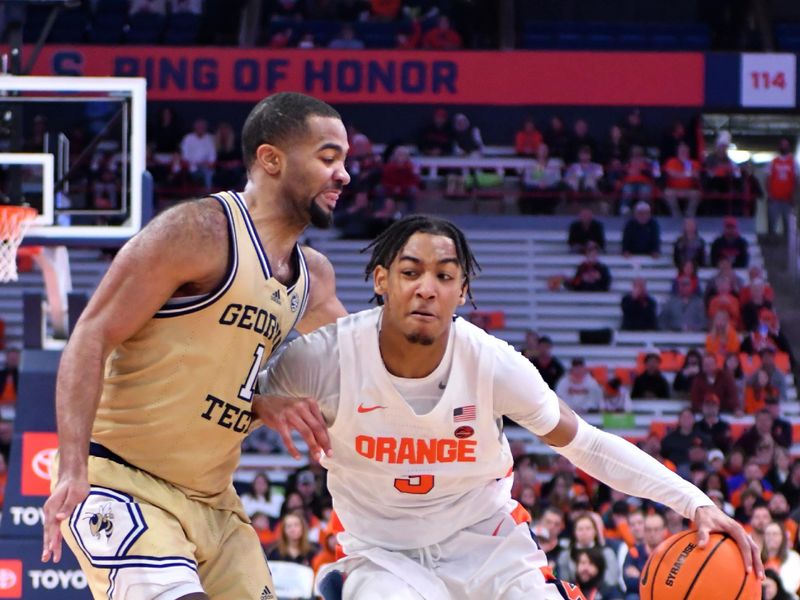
x=14, y=222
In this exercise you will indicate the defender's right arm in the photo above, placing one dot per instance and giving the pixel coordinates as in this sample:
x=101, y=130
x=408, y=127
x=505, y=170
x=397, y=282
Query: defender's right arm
x=181, y=248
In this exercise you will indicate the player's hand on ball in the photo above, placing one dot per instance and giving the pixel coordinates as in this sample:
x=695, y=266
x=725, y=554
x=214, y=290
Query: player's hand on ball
x=301, y=414
x=711, y=518
x=67, y=494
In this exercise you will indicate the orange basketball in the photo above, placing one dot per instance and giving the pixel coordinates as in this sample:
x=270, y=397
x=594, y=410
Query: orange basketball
x=680, y=570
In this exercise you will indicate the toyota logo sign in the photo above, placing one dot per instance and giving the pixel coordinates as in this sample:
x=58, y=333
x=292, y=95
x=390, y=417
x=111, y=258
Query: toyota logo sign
x=8, y=579
x=41, y=462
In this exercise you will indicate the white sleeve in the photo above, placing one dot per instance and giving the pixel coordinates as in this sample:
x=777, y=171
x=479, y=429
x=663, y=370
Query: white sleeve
x=521, y=394
x=624, y=467
x=307, y=367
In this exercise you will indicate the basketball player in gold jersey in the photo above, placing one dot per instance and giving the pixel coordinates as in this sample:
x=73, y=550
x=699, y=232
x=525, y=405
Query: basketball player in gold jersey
x=155, y=391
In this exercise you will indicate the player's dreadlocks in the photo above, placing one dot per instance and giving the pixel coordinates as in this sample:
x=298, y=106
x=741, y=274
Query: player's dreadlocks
x=386, y=246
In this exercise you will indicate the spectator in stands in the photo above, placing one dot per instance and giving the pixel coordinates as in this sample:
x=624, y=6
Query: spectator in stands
x=638, y=183
x=436, y=138
x=579, y=140
x=714, y=380
x=586, y=229
x=346, y=39
x=262, y=498
x=687, y=271
x=773, y=587
x=9, y=375
x=614, y=156
x=399, y=179
x=229, y=171
x=651, y=383
x=591, y=573
x=530, y=349
x=669, y=145
x=467, y=138
x=544, y=175
x=733, y=365
x=675, y=445
x=587, y=533
x=327, y=552
x=528, y=139
x=557, y=137
x=579, y=389
x=682, y=182
x=791, y=487
x=777, y=476
x=690, y=369
x=781, y=428
x=756, y=301
x=654, y=530
x=762, y=428
x=759, y=520
x=684, y=311
x=634, y=130
x=689, y=246
x=616, y=397
x=712, y=426
x=721, y=338
x=781, y=187
x=442, y=36
x=725, y=301
x=293, y=545
x=731, y=245
x=584, y=176
x=721, y=172
x=767, y=335
x=199, y=152
x=639, y=309
x=552, y=522
x=549, y=367
x=776, y=378
x=757, y=391
x=756, y=273
x=591, y=275
x=642, y=233
x=166, y=133
x=726, y=273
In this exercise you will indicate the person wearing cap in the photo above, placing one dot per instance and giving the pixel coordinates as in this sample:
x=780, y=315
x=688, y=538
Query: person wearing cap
x=579, y=389
x=642, y=233
x=731, y=245
x=712, y=426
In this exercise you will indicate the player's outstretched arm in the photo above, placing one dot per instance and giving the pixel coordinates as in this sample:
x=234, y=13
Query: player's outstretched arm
x=183, y=246
x=626, y=468
x=323, y=305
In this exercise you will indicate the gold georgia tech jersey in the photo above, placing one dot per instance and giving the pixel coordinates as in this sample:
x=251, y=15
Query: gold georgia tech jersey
x=176, y=398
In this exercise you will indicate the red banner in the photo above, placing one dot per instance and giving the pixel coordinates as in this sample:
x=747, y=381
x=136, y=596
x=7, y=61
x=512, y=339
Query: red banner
x=488, y=78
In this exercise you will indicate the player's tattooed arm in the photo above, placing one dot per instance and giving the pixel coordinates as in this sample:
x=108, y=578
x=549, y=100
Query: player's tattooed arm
x=323, y=305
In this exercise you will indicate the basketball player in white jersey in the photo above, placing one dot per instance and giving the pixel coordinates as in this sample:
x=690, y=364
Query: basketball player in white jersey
x=155, y=391
x=420, y=469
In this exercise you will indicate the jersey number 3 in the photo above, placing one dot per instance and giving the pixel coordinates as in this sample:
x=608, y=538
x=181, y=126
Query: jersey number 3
x=415, y=484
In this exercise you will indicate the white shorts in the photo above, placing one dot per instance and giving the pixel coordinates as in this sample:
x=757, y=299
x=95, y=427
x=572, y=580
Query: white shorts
x=496, y=558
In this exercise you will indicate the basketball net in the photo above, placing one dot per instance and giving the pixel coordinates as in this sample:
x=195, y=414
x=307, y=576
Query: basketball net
x=14, y=222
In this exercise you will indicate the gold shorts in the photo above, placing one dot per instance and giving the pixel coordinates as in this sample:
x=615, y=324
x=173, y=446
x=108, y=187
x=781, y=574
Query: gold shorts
x=138, y=537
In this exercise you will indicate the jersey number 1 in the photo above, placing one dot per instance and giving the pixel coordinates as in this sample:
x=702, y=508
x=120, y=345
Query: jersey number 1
x=247, y=390
x=415, y=484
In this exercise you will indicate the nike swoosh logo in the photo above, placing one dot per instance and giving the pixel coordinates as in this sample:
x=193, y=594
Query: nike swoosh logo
x=366, y=409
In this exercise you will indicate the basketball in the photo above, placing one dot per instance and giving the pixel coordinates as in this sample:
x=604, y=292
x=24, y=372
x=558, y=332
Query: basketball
x=680, y=570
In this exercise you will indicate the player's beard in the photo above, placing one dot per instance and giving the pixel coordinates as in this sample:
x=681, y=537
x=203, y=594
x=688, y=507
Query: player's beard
x=419, y=338
x=319, y=217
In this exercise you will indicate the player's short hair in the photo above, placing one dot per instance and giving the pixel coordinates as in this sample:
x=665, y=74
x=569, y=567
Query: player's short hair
x=280, y=118
x=388, y=244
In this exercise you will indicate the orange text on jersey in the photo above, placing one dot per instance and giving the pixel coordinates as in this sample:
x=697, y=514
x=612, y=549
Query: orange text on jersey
x=415, y=451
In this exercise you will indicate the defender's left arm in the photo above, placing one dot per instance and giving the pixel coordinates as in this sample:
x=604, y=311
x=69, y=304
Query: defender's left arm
x=323, y=305
x=626, y=468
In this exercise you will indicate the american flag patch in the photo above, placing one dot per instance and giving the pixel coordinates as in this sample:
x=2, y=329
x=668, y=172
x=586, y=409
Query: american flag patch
x=464, y=413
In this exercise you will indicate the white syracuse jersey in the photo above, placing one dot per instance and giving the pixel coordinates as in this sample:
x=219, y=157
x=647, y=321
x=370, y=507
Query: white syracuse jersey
x=419, y=477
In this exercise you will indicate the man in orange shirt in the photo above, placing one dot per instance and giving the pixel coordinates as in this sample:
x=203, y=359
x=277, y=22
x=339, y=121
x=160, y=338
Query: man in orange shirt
x=781, y=184
x=683, y=181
